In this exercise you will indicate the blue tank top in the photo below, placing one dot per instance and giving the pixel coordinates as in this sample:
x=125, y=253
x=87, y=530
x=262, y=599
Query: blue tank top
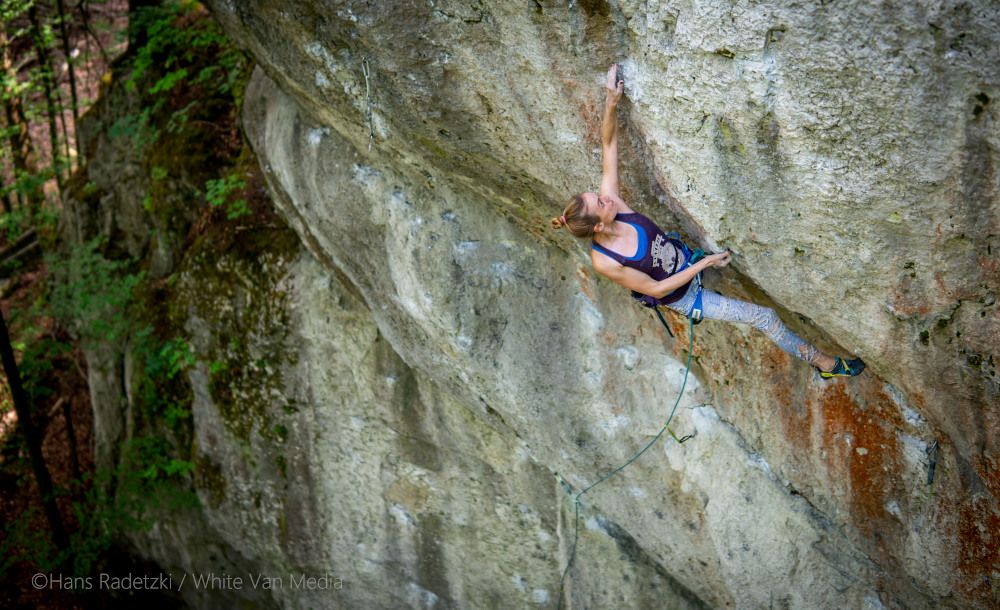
x=657, y=255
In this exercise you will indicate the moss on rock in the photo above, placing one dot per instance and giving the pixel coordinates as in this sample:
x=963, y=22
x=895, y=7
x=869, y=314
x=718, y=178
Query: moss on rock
x=238, y=294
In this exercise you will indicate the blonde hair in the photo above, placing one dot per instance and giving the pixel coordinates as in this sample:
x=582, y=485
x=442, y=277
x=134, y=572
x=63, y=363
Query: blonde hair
x=575, y=218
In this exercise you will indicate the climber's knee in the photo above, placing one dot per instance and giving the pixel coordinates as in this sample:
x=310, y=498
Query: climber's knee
x=808, y=353
x=767, y=320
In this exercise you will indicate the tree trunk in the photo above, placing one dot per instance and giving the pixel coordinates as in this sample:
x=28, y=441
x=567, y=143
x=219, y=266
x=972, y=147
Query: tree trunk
x=81, y=7
x=34, y=442
x=48, y=87
x=61, y=112
x=8, y=193
x=71, y=70
x=19, y=139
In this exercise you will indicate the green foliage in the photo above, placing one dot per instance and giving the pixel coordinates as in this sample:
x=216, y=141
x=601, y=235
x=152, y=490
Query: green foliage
x=179, y=118
x=136, y=127
x=165, y=393
x=38, y=362
x=28, y=185
x=11, y=9
x=177, y=44
x=47, y=218
x=216, y=367
x=152, y=458
x=22, y=540
x=175, y=413
x=127, y=499
x=172, y=46
x=15, y=223
x=281, y=432
x=217, y=193
x=148, y=480
x=167, y=82
x=94, y=296
x=91, y=294
x=44, y=218
x=178, y=356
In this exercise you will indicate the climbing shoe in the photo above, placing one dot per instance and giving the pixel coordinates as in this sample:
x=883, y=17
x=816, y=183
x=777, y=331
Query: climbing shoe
x=844, y=368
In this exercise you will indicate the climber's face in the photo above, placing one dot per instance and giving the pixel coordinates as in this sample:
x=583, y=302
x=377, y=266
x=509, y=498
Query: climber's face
x=603, y=207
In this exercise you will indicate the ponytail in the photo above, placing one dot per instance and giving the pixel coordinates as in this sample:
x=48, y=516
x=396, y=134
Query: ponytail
x=575, y=219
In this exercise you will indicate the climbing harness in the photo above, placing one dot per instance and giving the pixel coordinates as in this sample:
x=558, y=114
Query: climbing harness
x=690, y=257
x=666, y=427
x=696, y=308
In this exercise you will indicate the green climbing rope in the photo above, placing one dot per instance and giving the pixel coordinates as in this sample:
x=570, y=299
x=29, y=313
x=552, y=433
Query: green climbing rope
x=666, y=427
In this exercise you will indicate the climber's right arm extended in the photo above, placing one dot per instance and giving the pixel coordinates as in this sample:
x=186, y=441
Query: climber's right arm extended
x=609, y=134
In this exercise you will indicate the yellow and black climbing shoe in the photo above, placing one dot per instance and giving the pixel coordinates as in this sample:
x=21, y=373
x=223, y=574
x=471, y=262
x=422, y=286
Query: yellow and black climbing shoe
x=844, y=368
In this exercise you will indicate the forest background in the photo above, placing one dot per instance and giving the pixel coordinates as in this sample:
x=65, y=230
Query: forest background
x=182, y=82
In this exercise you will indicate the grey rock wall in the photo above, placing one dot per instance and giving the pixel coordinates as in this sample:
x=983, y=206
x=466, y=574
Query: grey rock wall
x=439, y=356
x=710, y=516
x=845, y=152
x=377, y=479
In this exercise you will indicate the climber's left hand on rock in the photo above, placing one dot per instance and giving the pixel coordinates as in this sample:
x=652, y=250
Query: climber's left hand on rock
x=615, y=86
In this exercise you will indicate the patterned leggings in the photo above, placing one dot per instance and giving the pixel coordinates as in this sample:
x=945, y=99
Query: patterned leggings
x=717, y=307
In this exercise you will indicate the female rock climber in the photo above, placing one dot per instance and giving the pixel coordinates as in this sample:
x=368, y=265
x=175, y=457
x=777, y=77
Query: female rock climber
x=631, y=250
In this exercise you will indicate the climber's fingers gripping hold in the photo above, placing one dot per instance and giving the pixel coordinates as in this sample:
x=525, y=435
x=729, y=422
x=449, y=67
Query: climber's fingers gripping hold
x=615, y=86
x=719, y=260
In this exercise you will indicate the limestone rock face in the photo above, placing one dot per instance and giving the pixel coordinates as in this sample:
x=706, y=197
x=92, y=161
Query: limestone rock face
x=845, y=152
x=689, y=512
x=447, y=359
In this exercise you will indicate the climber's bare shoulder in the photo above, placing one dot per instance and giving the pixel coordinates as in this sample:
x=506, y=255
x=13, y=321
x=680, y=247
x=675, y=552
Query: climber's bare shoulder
x=604, y=264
